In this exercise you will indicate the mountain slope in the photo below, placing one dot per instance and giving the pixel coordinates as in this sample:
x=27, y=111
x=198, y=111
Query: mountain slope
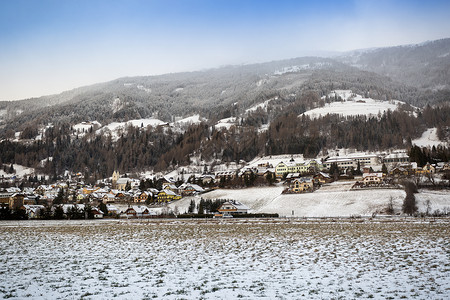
x=425, y=66
x=166, y=96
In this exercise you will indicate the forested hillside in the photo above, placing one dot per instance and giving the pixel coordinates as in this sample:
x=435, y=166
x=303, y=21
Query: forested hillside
x=424, y=66
x=160, y=148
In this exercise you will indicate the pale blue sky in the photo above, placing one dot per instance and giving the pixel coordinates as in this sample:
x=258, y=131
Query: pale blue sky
x=48, y=46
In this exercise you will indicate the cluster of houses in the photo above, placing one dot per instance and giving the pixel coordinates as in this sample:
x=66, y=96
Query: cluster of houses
x=297, y=174
x=32, y=200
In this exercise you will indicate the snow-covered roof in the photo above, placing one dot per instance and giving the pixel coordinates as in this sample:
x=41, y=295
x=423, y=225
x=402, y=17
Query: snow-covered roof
x=379, y=175
x=238, y=205
x=195, y=187
x=338, y=159
x=139, y=208
x=169, y=179
x=33, y=208
x=303, y=179
x=123, y=180
x=397, y=155
x=169, y=192
x=171, y=186
x=153, y=190
x=111, y=207
x=293, y=175
x=324, y=174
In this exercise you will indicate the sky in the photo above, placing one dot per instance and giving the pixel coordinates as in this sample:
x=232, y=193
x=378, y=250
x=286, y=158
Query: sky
x=50, y=46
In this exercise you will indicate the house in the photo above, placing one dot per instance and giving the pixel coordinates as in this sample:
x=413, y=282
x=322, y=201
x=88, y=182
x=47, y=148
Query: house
x=310, y=166
x=31, y=199
x=42, y=189
x=13, y=200
x=233, y=207
x=170, y=186
x=429, y=169
x=167, y=195
x=207, y=179
x=142, y=196
x=246, y=172
x=188, y=189
x=396, y=158
x=373, y=178
x=112, y=210
x=281, y=169
x=292, y=176
x=98, y=214
x=301, y=185
x=399, y=172
x=107, y=198
x=322, y=178
x=341, y=162
x=33, y=211
x=446, y=167
x=302, y=167
x=264, y=172
x=139, y=211
x=89, y=190
x=366, y=170
x=122, y=183
x=226, y=175
x=121, y=196
x=266, y=165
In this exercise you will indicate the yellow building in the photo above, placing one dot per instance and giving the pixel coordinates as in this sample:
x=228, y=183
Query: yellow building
x=167, y=195
x=301, y=185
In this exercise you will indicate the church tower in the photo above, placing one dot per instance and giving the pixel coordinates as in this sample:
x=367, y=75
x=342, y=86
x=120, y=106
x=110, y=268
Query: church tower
x=115, y=177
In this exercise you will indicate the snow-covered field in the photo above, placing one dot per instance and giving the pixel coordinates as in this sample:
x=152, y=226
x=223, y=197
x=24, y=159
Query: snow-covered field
x=225, y=259
x=356, y=105
x=331, y=200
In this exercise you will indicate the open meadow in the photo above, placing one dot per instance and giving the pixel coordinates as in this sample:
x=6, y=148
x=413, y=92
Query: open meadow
x=225, y=259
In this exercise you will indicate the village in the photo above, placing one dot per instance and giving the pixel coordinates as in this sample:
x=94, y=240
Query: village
x=147, y=197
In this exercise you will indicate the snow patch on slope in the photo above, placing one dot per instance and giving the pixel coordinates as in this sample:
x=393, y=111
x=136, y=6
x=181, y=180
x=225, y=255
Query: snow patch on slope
x=428, y=138
x=195, y=119
x=84, y=127
x=116, y=127
x=143, y=88
x=353, y=105
x=20, y=171
x=294, y=69
x=226, y=123
x=260, y=105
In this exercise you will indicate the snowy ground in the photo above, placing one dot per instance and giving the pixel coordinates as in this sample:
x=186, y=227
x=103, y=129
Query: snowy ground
x=21, y=171
x=226, y=123
x=353, y=106
x=225, y=259
x=429, y=138
x=332, y=200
